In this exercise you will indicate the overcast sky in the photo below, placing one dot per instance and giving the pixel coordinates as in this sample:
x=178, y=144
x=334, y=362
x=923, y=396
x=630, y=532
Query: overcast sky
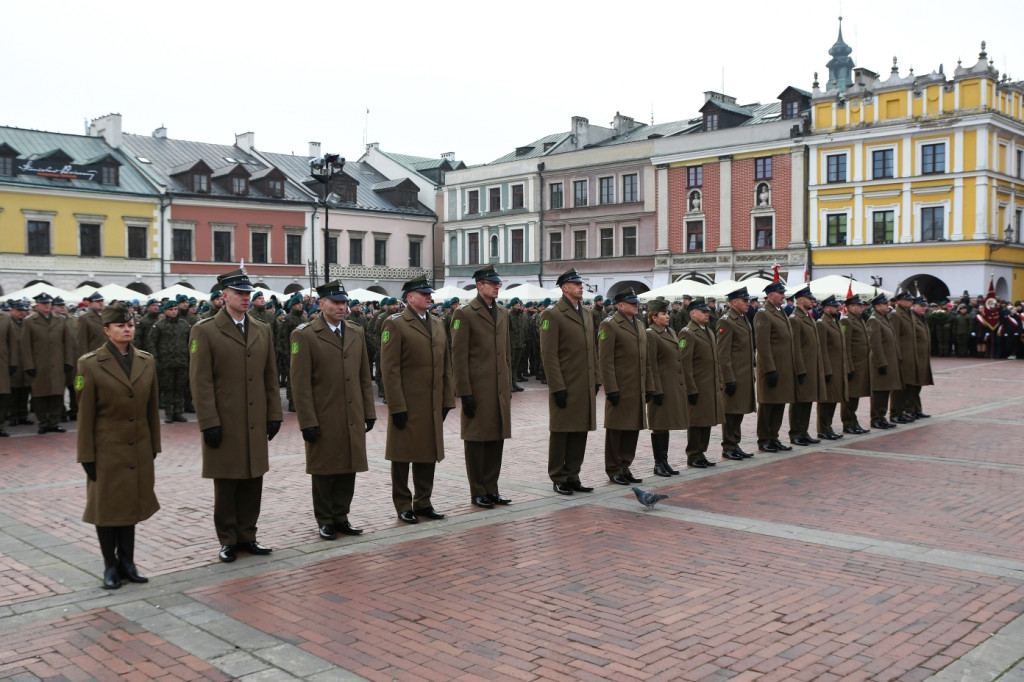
x=474, y=78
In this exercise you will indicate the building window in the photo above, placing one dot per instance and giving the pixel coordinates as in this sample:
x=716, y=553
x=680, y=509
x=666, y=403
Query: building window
x=494, y=199
x=579, y=193
x=494, y=250
x=275, y=188
x=882, y=224
x=710, y=122
x=695, y=176
x=557, y=198
x=579, y=244
x=607, y=242
x=474, y=202
x=138, y=236
x=836, y=236
x=791, y=108
x=293, y=249
x=332, y=250
x=108, y=175
x=200, y=183
x=517, y=196
x=182, y=244
x=222, y=247
x=355, y=250
x=1020, y=164
x=453, y=250
x=933, y=158
x=763, y=168
x=695, y=236
x=89, y=239
x=607, y=190
x=6, y=165
x=260, y=247
x=555, y=249
x=473, y=244
x=517, y=246
x=380, y=252
x=239, y=186
x=629, y=241
x=415, y=253
x=836, y=165
x=630, y=188
x=933, y=223
x=763, y=232
x=38, y=238
x=882, y=163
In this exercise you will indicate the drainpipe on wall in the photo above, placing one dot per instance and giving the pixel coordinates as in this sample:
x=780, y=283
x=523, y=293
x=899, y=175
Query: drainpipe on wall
x=312, y=247
x=163, y=238
x=433, y=252
x=540, y=226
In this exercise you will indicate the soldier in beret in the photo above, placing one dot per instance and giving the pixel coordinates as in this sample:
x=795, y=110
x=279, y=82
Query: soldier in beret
x=923, y=347
x=807, y=364
x=858, y=375
x=216, y=303
x=46, y=354
x=292, y=321
x=776, y=380
x=168, y=343
x=667, y=410
x=330, y=372
x=90, y=325
x=418, y=384
x=118, y=439
x=482, y=369
x=736, y=358
x=834, y=360
x=146, y=322
x=704, y=407
x=233, y=374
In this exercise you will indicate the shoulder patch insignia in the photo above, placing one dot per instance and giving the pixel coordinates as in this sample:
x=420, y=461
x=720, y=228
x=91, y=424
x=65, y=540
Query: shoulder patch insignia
x=302, y=326
x=456, y=324
x=545, y=324
x=385, y=337
x=79, y=382
x=682, y=343
x=194, y=346
x=721, y=330
x=602, y=335
x=295, y=347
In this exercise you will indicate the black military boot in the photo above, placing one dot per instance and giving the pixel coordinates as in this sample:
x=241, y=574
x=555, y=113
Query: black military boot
x=108, y=543
x=659, y=444
x=126, y=555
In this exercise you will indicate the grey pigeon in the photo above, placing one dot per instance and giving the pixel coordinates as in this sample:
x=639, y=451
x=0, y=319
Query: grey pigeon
x=648, y=499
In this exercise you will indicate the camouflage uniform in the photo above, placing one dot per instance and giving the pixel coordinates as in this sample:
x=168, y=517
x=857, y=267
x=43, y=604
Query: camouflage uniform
x=142, y=329
x=291, y=322
x=168, y=343
x=961, y=325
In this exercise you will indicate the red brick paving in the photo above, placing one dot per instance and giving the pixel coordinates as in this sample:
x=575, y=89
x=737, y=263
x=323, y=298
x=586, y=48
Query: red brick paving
x=955, y=439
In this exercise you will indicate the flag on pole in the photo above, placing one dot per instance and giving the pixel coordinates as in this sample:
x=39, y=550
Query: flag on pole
x=775, y=272
x=989, y=315
x=849, y=294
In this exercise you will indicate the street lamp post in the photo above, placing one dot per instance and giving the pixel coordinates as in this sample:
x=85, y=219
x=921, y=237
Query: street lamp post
x=323, y=168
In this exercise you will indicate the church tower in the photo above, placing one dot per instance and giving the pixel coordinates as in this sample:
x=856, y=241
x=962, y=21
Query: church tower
x=840, y=67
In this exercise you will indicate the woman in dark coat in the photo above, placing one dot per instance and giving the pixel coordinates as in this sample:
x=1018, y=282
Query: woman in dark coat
x=118, y=439
x=667, y=410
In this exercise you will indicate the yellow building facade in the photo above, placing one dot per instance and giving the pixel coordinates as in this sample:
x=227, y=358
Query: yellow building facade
x=917, y=182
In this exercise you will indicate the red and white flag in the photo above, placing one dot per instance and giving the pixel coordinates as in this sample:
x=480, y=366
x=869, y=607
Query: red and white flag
x=989, y=315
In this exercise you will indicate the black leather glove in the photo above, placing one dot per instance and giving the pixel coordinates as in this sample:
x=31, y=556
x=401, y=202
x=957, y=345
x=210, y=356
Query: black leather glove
x=154, y=455
x=213, y=436
x=883, y=370
x=67, y=368
x=828, y=378
x=369, y=425
x=311, y=434
x=730, y=388
x=561, y=398
x=400, y=419
x=469, y=406
x=11, y=370
x=613, y=398
x=659, y=399
x=692, y=398
x=849, y=376
x=444, y=412
x=773, y=378
x=800, y=378
x=648, y=396
x=31, y=373
x=597, y=388
x=90, y=470
x=272, y=429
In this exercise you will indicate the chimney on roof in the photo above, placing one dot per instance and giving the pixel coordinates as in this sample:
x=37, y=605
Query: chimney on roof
x=718, y=97
x=372, y=145
x=622, y=124
x=108, y=127
x=245, y=141
x=160, y=133
x=448, y=155
x=580, y=132
x=314, y=149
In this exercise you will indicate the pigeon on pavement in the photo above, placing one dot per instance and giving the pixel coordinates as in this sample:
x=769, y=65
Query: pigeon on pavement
x=648, y=499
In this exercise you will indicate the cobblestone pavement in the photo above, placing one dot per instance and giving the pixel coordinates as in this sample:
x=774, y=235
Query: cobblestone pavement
x=892, y=555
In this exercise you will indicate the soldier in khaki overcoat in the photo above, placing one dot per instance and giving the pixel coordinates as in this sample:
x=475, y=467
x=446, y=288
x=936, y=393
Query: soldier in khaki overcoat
x=834, y=363
x=884, y=361
x=482, y=369
x=89, y=325
x=667, y=409
x=736, y=358
x=704, y=407
x=923, y=348
x=331, y=387
x=628, y=385
x=233, y=375
x=810, y=379
x=118, y=439
x=902, y=319
x=858, y=375
x=46, y=356
x=570, y=364
x=7, y=339
x=776, y=380
x=418, y=383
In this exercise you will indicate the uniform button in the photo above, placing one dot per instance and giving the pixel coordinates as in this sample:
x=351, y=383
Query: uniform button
x=131, y=395
x=250, y=403
x=250, y=378
x=131, y=466
x=250, y=428
x=131, y=419
x=248, y=355
x=131, y=442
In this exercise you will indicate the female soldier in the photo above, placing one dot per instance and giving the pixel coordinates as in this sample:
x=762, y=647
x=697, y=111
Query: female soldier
x=118, y=439
x=667, y=411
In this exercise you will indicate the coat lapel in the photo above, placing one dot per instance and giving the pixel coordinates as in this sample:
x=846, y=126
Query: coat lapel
x=414, y=321
x=227, y=326
x=110, y=365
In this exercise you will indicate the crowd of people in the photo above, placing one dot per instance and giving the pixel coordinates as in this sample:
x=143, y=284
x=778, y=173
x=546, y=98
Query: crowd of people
x=686, y=365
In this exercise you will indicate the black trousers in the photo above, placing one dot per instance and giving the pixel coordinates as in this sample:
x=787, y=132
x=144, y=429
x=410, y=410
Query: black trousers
x=826, y=413
x=236, y=508
x=799, y=419
x=879, y=402
x=698, y=438
x=898, y=401
x=48, y=409
x=332, y=497
x=619, y=451
x=565, y=455
x=769, y=421
x=732, y=431
x=483, y=466
x=848, y=413
x=422, y=481
x=19, y=402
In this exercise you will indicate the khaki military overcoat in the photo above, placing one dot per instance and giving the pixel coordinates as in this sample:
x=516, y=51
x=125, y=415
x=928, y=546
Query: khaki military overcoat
x=923, y=348
x=882, y=341
x=46, y=347
x=736, y=358
x=8, y=337
x=858, y=351
x=19, y=379
x=833, y=359
x=418, y=380
x=570, y=364
x=774, y=343
x=806, y=357
x=331, y=389
x=119, y=430
x=234, y=386
x=482, y=368
x=700, y=363
x=89, y=331
x=666, y=362
x=622, y=357
x=902, y=320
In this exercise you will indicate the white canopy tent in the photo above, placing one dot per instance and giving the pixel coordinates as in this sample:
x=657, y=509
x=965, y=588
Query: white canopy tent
x=526, y=292
x=445, y=293
x=837, y=285
x=365, y=295
x=755, y=286
x=76, y=295
x=34, y=290
x=175, y=289
x=684, y=287
x=117, y=292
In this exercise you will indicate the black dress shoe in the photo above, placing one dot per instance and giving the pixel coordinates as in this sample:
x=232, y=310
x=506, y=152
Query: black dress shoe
x=922, y=415
x=408, y=517
x=57, y=429
x=861, y=429
x=799, y=441
x=741, y=453
x=661, y=469
x=619, y=479
x=673, y=471
x=498, y=499
x=346, y=528
x=767, y=447
x=4, y=434
x=829, y=436
x=698, y=464
x=254, y=547
x=129, y=571
x=780, y=447
x=733, y=455
x=562, y=488
x=168, y=420
x=578, y=487
x=633, y=479
x=852, y=430
x=429, y=513
x=327, y=532
x=812, y=441
x=227, y=554
x=899, y=419
x=111, y=579
x=180, y=418
x=483, y=501
x=516, y=388
x=880, y=425
x=709, y=463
